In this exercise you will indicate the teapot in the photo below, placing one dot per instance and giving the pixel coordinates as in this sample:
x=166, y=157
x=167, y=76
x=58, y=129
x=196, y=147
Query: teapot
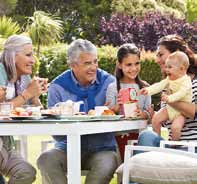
x=68, y=107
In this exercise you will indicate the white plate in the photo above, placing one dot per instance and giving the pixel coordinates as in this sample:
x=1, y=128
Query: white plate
x=132, y=118
x=26, y=117
x=75, y=117
x=108, y=117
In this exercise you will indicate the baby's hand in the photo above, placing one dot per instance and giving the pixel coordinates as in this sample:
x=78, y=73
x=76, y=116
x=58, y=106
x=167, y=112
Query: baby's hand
x=164, y=98
x=143, y=91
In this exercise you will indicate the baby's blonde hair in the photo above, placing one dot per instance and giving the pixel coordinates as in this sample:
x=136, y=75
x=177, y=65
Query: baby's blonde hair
x=180, y=58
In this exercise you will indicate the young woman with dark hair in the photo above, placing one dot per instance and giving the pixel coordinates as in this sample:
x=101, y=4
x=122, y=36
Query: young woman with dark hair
x=166, y=46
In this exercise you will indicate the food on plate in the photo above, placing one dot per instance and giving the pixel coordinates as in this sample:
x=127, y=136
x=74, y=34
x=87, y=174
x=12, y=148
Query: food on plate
x=19, y=111
x=108, y=112
x=53, y=111
x=35, y=110
x=29, y=111
x=91, y=112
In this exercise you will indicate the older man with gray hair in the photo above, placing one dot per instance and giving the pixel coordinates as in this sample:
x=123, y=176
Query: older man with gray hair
x=84, y=81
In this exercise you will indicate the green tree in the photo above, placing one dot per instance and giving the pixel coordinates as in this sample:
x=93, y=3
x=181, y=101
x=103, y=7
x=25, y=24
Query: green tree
x=6, y=6
x=89, y=13
x=80, y=18
x=140, y=7
x=57, y=7
x=191, y=11
x=8, y=27
x=44, y=29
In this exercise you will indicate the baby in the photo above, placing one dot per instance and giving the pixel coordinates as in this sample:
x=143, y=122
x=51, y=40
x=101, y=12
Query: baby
x=178, y=87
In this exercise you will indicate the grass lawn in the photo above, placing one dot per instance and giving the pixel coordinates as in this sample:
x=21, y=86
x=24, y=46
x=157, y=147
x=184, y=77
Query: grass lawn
x=34, y=150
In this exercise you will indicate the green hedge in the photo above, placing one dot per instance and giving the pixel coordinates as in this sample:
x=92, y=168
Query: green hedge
x=150, y=72
x=53, y=62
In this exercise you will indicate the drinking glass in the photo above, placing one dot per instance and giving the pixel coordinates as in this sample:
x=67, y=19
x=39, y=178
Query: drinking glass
x=5, y=108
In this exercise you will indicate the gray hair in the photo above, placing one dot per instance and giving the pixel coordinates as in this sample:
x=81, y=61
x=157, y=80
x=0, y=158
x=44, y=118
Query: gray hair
x=77, y=47
x=13, y=45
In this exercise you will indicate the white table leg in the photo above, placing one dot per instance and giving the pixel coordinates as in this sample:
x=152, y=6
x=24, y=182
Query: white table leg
x=1, y=143
x=23, y=146
x=74, y=159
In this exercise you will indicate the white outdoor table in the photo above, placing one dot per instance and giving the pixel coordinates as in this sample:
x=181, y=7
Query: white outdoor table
x=73, y=130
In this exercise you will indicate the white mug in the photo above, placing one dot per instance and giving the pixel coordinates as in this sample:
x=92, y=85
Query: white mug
x=129, y=109
x=10, y=92
x=100, y=109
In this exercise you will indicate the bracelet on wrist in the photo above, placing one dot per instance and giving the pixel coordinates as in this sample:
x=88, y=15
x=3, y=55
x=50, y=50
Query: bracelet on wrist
x=23, y=97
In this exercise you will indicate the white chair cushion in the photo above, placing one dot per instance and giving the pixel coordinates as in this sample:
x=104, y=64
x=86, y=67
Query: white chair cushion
x=161, y=168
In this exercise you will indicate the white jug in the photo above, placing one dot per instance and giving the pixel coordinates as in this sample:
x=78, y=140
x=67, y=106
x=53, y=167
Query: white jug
x=65, y=108
x=69, y=107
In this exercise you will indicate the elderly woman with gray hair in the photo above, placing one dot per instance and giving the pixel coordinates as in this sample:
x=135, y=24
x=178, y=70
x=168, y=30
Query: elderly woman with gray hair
x=16, y=63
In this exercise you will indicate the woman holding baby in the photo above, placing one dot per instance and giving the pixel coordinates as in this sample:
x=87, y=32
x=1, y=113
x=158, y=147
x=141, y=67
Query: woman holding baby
x=17, y=87
x=166, y=46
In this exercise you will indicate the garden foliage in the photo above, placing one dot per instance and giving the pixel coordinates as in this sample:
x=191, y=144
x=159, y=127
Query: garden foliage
x=81, y=18
x=44, y=29
x=7, y=6
x=146, y=31
x=8, y=27
x=140, y=7
x=53, y=62
x=191, y=10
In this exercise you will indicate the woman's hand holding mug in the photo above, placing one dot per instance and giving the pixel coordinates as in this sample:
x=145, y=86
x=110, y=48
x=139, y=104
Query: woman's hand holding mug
x=36, y=87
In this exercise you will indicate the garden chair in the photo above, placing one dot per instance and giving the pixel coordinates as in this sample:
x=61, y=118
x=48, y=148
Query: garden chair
x=160, y=165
